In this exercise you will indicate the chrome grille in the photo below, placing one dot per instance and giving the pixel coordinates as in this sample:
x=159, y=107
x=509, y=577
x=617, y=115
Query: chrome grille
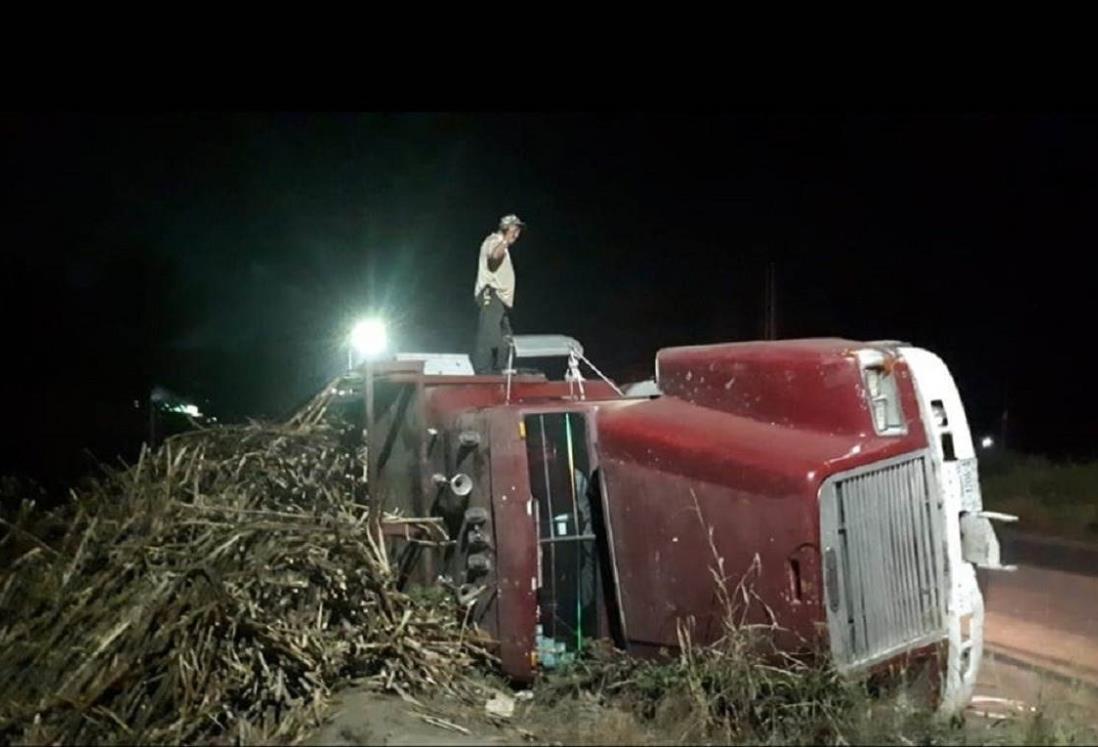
x=884, y=578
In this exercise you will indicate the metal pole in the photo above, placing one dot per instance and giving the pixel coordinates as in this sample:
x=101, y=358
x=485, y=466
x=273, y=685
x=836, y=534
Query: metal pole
x=152, y=422
x=773, y=301
x=771, y=322
x=370, y=461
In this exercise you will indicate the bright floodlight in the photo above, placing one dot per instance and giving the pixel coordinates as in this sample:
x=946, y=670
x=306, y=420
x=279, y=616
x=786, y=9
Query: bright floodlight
x=988, y=442
x=369, y=338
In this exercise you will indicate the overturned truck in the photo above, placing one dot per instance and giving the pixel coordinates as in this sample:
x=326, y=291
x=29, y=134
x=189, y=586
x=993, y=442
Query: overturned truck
x=843, y=472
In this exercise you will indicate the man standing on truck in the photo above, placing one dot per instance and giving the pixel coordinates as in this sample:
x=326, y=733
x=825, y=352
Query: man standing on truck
x=495, y=294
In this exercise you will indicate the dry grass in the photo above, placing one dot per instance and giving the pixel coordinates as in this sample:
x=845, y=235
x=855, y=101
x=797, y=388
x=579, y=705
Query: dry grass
x=741, y=690
x=731, y=693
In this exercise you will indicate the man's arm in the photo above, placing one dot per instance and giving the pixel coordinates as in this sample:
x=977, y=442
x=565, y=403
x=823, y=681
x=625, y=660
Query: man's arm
x=496, y=252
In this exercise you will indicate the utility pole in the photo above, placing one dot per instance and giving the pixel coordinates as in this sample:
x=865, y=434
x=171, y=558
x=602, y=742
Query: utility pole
x=371, y=437
x=770, y=303
x=152, y=421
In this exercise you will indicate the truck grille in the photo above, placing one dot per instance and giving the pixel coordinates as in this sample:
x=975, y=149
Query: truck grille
x=884, y=578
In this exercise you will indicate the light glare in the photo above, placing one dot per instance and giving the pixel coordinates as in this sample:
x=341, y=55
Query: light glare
x=369, y=337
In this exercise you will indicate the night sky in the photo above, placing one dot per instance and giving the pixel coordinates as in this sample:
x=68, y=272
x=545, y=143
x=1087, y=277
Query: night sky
x=225, y=256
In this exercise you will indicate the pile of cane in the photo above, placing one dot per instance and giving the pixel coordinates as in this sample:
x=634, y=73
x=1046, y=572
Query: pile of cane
x=218, y=590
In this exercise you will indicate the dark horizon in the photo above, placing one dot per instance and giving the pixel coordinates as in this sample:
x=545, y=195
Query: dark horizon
x=225, y=256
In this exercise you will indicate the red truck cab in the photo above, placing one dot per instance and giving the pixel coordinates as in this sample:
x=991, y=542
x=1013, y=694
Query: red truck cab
x=839, y=475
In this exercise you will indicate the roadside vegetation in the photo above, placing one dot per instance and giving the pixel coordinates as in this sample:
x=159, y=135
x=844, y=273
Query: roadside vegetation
x=1049, y=497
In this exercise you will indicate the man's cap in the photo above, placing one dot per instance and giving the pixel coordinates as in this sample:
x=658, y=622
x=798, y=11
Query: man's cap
x=510, y=220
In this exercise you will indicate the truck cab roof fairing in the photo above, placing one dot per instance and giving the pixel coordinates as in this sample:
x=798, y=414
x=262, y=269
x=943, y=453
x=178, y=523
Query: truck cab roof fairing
x=812, y=384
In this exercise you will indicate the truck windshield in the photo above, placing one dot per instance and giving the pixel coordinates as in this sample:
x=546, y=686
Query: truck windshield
x=559, y=467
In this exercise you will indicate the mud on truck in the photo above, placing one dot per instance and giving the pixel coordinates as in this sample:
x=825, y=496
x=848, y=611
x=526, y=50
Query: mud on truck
x=843, y=471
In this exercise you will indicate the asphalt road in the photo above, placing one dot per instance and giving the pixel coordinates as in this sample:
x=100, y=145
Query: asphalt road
x=1041, y=631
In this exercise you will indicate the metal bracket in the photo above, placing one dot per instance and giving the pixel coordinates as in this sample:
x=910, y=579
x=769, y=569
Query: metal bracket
x=979, y=545
x=574, y=377
x=996, y=516
x=551, y=346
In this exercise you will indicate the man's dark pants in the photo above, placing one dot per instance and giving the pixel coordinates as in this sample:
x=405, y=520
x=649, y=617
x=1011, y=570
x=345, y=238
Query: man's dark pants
x=493, y=333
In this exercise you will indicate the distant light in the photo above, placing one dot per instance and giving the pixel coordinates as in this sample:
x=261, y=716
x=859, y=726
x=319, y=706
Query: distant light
x=987, y=442
x=191, y=410
x=369, y=337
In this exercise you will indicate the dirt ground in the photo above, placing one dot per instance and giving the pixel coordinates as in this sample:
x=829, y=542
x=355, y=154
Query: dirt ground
x=1008, y=692
x=1040, y=627
x=367, y=718
x=364, y=718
